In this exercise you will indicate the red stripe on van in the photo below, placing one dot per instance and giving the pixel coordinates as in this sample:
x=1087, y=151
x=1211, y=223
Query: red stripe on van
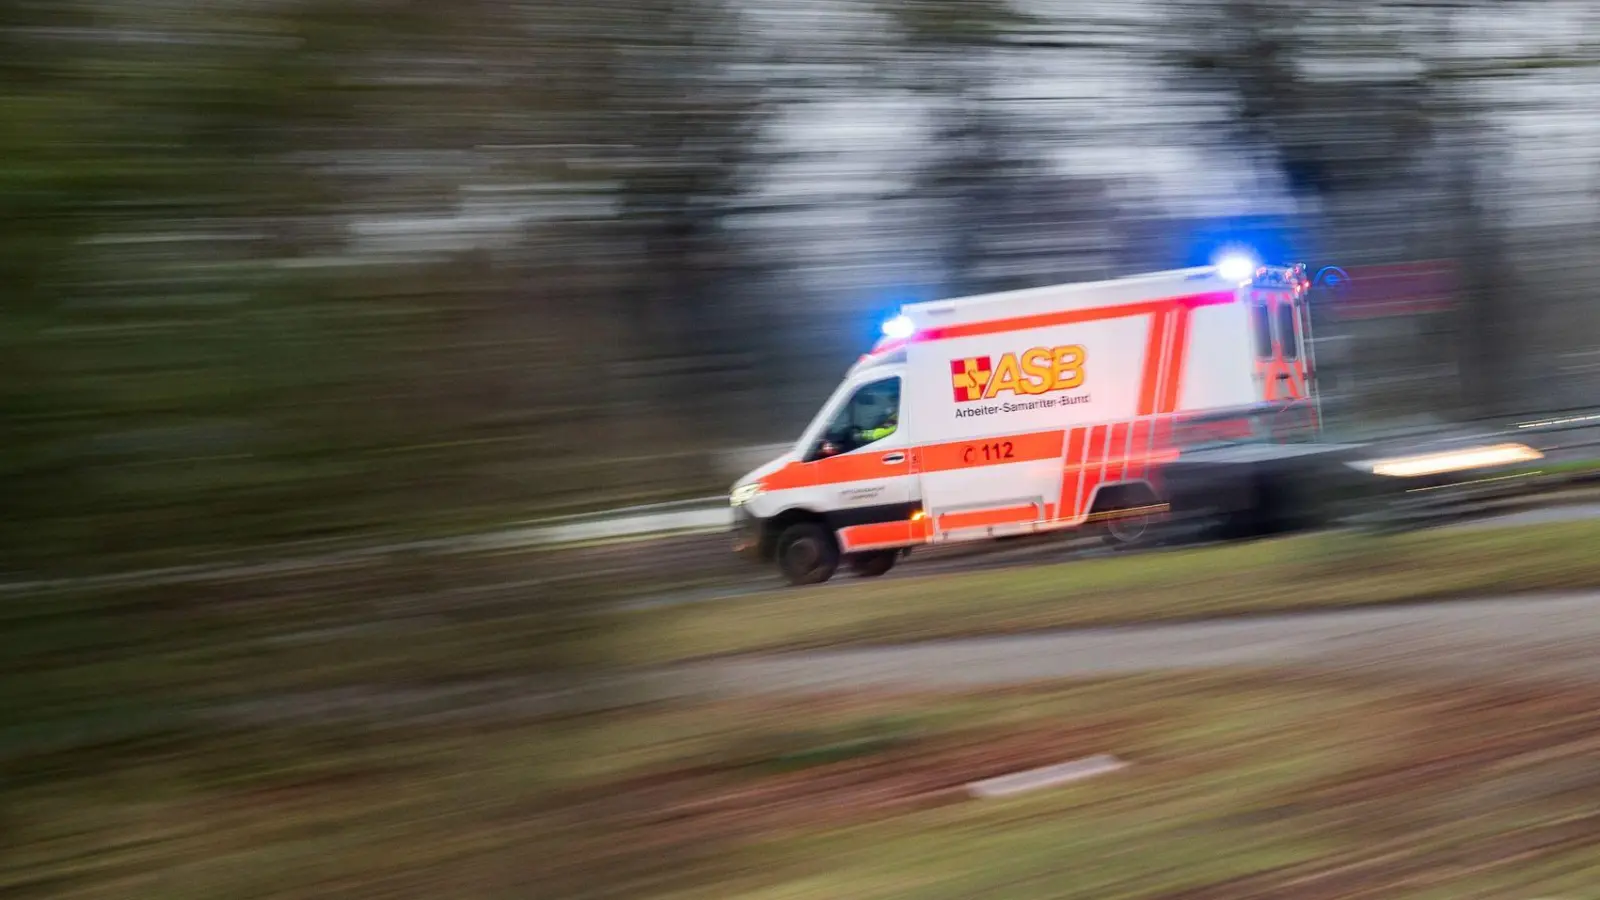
x=1072, y=317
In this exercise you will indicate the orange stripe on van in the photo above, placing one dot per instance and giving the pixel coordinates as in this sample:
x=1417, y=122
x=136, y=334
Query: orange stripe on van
x=1117, y=454
x=883, y=535
x=1095, y=453
x=838, y=470
x=1151, y=381
x=793, y=475
x=1167, y=400
x=993, y=451
x=1072, y=473
x=988, y=518
x=1072, y=317
x=1139, y=441
x=1093, y=464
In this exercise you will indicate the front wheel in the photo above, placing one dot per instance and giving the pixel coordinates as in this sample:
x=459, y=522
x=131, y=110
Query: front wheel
x=872, y=565
x=807, y=553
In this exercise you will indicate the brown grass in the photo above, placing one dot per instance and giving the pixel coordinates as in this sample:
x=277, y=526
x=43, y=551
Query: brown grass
x=1248, y=786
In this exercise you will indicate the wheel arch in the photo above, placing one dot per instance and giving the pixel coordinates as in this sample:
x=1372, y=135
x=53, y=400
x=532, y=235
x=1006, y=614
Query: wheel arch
x=775, y=525
x=1131, y=494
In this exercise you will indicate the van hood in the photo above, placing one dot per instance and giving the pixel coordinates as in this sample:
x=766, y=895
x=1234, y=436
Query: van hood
x=762, y=471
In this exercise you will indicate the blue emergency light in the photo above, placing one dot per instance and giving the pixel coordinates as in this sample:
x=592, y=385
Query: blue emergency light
x=1237, y=265
x=898, y=328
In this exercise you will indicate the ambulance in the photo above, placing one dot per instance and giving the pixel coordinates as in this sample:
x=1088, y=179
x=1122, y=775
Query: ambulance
x=1016, y=413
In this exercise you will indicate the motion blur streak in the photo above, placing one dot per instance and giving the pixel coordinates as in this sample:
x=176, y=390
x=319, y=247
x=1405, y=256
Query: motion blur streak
x=1439, y=463
x=283, y=279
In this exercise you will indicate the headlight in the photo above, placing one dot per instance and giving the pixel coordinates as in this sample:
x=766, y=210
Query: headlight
x=743, y=494
x=1455, y=461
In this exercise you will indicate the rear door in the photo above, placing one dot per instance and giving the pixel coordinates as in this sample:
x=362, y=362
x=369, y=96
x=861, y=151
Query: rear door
x=1278, y=321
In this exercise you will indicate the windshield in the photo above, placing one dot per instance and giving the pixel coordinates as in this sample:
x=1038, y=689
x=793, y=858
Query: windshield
x=871, y=414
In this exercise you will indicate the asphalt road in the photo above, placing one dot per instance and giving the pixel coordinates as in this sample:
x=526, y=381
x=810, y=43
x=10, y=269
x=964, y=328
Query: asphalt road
x=1537, y=638
x=1541, y=637
x=1543, y=516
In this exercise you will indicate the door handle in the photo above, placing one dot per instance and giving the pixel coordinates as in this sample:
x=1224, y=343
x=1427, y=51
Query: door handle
x=890, y=459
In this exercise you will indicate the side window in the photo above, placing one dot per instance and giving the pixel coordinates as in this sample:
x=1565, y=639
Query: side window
x=871, y=414
x=1288, y=330
x=1261, y=324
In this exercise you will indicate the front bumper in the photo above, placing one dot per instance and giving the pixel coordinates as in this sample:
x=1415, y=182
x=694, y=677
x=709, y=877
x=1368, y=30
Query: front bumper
x=746, y=535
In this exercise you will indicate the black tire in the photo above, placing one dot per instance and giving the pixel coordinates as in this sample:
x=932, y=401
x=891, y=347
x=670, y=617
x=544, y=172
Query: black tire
x=872, y=565
x=1126, y=532
x=1115, y=504
x=807, y=553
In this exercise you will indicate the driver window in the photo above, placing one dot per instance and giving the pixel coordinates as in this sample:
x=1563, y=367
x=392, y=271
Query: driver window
x=872, y=414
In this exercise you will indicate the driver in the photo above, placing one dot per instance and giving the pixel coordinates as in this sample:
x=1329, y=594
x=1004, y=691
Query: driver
x=885, y=427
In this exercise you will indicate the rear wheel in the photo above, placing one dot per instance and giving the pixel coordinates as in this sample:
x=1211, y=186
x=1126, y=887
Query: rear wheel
x=807, y=553
x=1126, y=508
x=872, y=565
x=1126, y=531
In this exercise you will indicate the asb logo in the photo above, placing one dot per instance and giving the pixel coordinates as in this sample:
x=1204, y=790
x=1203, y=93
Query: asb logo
x=970, y=377
x=1036, y=371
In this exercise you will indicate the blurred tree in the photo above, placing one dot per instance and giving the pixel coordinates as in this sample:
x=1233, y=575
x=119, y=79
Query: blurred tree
x=1350, y=103
x=1002, y=217
x=251, y=295
x=324, y=267
x=261, y=284
x=143, y=317
x=1328, y=133
x=691, y=120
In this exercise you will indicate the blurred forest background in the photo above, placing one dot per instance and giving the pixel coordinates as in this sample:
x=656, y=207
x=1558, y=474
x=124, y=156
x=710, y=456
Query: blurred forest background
x=289, y=270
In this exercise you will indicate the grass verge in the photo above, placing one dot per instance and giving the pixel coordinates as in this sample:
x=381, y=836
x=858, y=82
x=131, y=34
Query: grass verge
x=1318, y=571
x=1241, y=786
x=405, y=625
x=129, y=772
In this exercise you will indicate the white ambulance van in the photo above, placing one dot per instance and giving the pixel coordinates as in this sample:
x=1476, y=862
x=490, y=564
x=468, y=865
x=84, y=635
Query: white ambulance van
x=1024, y=412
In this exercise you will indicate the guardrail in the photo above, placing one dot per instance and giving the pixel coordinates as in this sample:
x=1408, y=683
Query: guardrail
x=708, y=514
x=1570, y=422
x=637, y=521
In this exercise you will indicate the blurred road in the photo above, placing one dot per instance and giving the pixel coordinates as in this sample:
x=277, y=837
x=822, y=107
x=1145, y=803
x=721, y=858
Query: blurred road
x=1547, y=637
x=1518, y=637
x=1543, y=516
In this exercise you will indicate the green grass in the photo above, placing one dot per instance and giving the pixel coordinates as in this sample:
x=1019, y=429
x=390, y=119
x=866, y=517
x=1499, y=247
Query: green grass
x=129, y=771
x=1241, y=786
x=1569, y=467
x=1299, y=573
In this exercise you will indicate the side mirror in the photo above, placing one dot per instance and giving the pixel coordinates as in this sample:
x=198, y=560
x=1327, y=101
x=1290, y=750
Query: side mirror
x=823, y=449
